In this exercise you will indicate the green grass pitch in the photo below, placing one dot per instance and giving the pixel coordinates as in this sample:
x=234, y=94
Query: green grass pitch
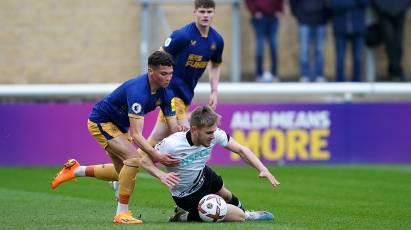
x=310, y=197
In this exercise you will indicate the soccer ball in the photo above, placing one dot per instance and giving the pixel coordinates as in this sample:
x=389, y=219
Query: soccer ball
x=212, y=208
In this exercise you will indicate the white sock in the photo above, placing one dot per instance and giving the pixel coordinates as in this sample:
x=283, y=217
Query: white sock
x=121, y=208
x=80, y=171
x=249, y=215
x=116, y=184
x=184, y=217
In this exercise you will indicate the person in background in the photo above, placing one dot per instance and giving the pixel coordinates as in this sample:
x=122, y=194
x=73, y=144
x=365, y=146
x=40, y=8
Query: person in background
x=312, y=16
x=391, y=15
x=349, y=26
x=265, y=22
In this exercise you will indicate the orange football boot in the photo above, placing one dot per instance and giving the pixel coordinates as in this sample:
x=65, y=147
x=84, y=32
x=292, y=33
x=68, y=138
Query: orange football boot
x=126, y=218
x=66, y=173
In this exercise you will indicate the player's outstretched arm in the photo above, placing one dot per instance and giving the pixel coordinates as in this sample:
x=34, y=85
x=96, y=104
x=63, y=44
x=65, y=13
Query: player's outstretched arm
x=214, y=72
x=170, y=179
x=252, y=160
x=136, y=128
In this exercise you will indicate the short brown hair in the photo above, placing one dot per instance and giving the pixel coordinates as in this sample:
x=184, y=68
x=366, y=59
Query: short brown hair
x=160, y=58
x=204, y=4
x=204, y=116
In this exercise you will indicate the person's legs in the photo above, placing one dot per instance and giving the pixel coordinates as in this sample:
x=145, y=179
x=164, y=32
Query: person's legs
x=272, y=26
x=393, y=28
x=303, y=35
x=311, y=46
x=258, y=25
x=161, y=129
x=357, y=44
x=211, y=185
x=234, y=214
x=230, y=198
x=107, y=172
x=340, y=42
x=236, y=210
x=319, y=52
x=121, y=148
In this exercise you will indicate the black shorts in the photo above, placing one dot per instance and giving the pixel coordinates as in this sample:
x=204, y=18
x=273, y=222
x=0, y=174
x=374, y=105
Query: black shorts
x=212, y=184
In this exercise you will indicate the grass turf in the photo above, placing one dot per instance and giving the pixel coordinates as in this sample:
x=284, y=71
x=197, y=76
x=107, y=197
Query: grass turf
x=310, y=197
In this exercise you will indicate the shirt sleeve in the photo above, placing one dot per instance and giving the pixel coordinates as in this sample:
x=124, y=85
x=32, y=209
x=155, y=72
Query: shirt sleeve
x=135, y=106
x=177, y=41
x=168, y=104
x=221, y=137
x=217, y=56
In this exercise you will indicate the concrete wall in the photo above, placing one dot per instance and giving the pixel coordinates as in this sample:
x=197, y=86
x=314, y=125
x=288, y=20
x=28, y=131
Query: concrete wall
x=87, y=41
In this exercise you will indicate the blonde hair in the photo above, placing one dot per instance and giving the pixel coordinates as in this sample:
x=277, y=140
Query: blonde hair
x=204, y=116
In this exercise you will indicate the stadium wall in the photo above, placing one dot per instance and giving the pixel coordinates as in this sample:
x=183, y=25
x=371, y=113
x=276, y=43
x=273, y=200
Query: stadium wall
x=98, y=41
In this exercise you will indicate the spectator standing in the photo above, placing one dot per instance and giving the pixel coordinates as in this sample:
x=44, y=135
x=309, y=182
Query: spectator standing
x=312, y=16
x=349, y=26
x=391, y=15
x=265, y=22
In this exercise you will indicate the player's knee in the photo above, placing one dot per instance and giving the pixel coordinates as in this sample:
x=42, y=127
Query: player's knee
x=225, y=194
x=234, y=214
x=133, y=162
x=240, y=216
x=236, y=217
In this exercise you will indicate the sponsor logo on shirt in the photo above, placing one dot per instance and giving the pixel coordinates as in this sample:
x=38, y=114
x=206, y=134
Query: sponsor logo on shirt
x=197, y=155
x=196, y=61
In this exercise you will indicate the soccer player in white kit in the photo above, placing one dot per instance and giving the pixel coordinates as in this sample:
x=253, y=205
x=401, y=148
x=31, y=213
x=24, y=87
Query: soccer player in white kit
x=193, y=149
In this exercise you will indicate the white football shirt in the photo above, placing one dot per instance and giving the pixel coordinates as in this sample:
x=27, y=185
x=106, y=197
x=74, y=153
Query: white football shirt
x=192, y=159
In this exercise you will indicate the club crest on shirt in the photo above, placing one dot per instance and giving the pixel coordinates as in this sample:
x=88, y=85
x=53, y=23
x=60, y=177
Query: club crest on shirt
x=136, y=107
x=213, y=46
x=193, y=42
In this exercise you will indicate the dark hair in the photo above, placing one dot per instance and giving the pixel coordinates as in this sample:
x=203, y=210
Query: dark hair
x=204, y=116
x=204, y=4
x=160, y=58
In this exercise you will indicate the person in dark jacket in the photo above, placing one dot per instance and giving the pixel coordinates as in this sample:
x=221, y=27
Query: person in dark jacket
x=349, y=25
x=312, y=16
x=391, y=14
x=264, y=15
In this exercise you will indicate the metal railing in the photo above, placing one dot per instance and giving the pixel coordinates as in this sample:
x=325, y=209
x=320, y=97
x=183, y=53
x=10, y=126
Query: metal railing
x=237, y=92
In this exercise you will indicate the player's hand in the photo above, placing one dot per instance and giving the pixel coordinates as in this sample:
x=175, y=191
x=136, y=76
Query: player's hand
x=212, y=101
x=168, y=160
x=170, y=179
x=270, y=177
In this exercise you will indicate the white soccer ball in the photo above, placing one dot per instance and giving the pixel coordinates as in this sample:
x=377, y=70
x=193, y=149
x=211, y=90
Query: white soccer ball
x=212, y=208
